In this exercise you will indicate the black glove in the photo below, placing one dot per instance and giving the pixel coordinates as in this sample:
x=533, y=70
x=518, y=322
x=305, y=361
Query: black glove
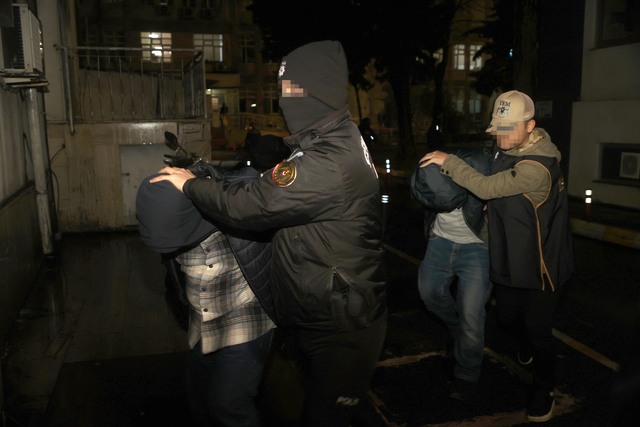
x=205, y=170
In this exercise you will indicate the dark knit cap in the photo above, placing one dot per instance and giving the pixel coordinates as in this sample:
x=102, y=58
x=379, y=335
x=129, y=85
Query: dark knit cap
x=320, y=68
x=168, y=220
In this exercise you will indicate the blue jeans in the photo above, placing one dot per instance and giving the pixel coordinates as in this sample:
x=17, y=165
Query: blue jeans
x=465, y=314
x=222, y=386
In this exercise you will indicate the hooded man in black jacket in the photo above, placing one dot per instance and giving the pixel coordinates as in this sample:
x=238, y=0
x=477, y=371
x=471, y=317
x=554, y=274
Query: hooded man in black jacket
x=324, y=202
x=227, y=287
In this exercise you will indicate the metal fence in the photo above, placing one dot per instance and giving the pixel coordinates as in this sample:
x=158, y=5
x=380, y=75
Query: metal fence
x=110, y=84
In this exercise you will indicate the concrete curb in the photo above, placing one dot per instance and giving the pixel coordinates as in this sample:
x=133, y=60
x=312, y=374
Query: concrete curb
x=619, y=236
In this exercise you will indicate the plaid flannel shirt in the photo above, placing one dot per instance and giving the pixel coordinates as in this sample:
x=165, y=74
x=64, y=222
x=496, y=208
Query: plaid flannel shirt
x=223, y=309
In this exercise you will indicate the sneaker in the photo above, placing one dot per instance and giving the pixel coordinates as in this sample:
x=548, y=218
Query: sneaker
x=525, y=357
x=541, y=407
x=461, y=389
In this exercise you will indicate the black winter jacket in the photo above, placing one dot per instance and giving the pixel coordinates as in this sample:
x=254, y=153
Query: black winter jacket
x=533, y=245
x=324, y=203
x=252, y=250
x=438, y=193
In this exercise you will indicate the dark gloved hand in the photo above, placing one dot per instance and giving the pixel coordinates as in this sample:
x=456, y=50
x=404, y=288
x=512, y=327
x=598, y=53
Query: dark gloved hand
x=205, y=170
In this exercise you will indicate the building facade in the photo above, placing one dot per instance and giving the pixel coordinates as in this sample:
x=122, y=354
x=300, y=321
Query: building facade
x=605, y=149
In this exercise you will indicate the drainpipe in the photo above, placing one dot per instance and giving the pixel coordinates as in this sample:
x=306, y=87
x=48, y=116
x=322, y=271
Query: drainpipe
x=39, y=153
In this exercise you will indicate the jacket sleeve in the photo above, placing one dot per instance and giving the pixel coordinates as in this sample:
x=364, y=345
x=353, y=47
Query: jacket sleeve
x=315, y=194
x=526, y=177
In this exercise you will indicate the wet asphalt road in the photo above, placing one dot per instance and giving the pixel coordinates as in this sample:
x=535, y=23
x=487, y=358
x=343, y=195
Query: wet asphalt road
x=596, y=327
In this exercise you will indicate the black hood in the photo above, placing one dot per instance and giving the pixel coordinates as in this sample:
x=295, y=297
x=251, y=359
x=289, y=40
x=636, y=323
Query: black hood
x=168, y=220
x=320, y=69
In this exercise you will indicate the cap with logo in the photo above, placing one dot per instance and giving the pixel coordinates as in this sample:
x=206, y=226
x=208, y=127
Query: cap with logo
x=510, y=109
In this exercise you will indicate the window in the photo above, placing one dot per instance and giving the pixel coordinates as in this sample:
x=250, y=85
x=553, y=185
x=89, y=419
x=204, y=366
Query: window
x=475, y=104
x=474, y=64
x=619, y=22
x=113, y=38
x=247, y=101
x=159, y=45
x=271, y=98
x=458, y=57
x=248, y=45
x=211, y=44
x=457, y=100
x=89, y=37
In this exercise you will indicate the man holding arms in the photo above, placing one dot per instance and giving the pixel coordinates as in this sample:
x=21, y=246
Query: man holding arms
x=531, y=251
x=324, y=203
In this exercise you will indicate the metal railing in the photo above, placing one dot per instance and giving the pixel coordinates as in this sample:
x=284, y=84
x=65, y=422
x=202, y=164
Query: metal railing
x=111, y=84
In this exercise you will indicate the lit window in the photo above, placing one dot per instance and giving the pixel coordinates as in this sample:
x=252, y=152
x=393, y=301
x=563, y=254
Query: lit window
x=474, y=64
x=458, y=57
x=157, y=45
x=211, y=44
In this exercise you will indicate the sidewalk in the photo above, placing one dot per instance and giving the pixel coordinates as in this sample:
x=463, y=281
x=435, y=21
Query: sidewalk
x=612, y=224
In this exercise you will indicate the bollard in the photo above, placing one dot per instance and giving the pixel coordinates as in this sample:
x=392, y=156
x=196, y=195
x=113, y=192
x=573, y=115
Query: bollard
x=587, y=205
x=385, y=214
x=388, y=169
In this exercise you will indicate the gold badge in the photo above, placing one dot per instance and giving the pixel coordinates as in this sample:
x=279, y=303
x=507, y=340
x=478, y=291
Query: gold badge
x=284, y=173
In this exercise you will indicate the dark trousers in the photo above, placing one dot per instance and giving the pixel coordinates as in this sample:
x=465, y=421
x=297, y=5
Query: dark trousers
x=222, y=386
x=528, y=314
x=338, y=369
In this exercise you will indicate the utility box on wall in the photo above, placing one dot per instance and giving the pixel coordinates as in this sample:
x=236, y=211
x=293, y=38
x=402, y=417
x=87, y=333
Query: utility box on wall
x=22, y=50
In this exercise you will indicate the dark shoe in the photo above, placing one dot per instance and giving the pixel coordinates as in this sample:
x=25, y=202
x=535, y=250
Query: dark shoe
x=541, y=407
x=461, y=389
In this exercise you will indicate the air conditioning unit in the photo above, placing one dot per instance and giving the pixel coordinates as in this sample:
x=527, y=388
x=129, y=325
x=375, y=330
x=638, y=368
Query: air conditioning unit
x=21, y=48
x=630, y=165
